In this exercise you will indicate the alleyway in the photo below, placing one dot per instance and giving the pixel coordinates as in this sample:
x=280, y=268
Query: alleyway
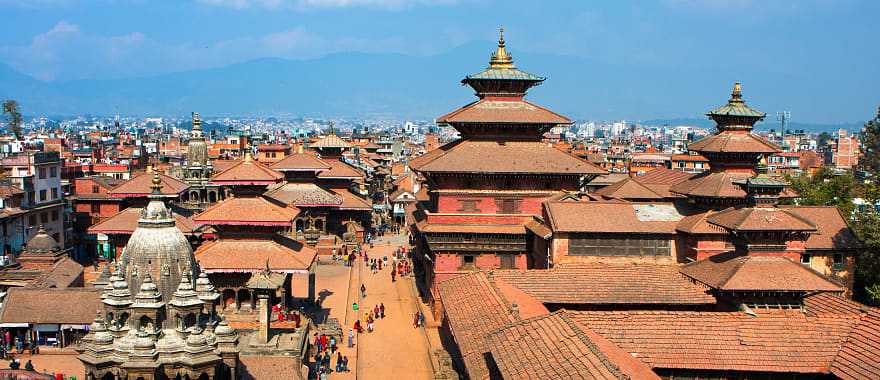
x=395, y=347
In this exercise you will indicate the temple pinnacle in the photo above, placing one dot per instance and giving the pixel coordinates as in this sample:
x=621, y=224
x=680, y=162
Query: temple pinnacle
x=500, y=58
x=736, y=95
x=157, y=183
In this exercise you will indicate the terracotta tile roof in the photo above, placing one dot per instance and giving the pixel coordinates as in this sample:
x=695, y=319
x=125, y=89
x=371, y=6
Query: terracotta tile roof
x=221, y=165
x=629, y=189
x=715, y=185
x=248, y=172
x=65, y=273
x=474, y=307
x=51, y=305
x=697, y=224
x=330, y=141
x=556, y=347
x=489, y=110
x=304, y=195
x=301, y=162
x=614, y=217
x=760, y=219
x=832, y=230
x=351, y=201
x=830, y=304
x=468, y=156
x=689, y=157
x=719, y=341
x=734, y=272
x=859, y=357
x=273, y=147
x=140, y=186
x=339, y=169
x=608, y=284
x=266, y=367
x=125, y=222
x=734, y=142
x=664, y=176
x=539, y=229
x=250, y=255
x=247, y=211
x=608, y=179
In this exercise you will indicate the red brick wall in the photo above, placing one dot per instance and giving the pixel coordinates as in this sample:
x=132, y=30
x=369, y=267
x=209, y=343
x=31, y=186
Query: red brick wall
x=477, y=219
x=486, y=204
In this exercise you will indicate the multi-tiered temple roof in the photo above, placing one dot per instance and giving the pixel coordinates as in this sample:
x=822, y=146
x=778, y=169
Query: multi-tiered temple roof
x=733, y=152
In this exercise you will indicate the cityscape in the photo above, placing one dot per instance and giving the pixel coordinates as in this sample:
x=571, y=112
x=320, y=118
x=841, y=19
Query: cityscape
x=499, y=226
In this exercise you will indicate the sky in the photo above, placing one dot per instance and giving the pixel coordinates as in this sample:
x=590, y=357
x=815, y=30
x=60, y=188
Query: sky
x=832, y=42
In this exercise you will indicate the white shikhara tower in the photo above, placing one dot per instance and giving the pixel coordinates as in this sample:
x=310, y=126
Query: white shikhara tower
x=159, y=319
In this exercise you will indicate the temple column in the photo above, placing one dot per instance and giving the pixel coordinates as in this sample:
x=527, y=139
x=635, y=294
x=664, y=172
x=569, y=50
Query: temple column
x=265, y=316
x=311, y=295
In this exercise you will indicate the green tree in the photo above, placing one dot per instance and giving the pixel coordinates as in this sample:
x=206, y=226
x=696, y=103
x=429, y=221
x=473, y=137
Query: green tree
x=824, y=138
x=10, y=107
x=826, y=188
x=870, y=136
x=867, y=222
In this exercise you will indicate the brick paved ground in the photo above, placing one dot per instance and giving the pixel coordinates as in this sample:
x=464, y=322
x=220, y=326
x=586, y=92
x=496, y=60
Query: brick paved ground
x=66, y=364
x=395, y=347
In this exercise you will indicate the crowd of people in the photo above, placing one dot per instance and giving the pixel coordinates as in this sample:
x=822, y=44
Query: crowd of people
x=326, y=347
x=366, y=317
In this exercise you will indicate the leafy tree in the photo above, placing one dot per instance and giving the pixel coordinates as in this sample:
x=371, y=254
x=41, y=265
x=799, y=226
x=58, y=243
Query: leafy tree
x=826, y=188
x=10, y=107
x=867, y=222
x=870, y=135
x=824, y=138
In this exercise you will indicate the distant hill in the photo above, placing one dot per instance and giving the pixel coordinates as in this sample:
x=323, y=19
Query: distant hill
x=361, y=84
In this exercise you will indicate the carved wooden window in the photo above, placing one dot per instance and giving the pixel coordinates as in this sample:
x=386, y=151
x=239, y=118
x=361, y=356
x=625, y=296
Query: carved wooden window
x=623, y=245
x=508, y=261
x=508, y=206
x=469, y=205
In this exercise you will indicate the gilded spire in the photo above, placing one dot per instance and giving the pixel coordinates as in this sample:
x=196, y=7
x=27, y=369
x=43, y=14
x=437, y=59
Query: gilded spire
x=500, y=58
x=157, y=183
x=736, y=95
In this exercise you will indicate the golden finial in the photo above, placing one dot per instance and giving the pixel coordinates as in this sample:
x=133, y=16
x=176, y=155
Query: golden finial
x=157, y=182
x=500, y=59
x=763, y=161
x=736, y=95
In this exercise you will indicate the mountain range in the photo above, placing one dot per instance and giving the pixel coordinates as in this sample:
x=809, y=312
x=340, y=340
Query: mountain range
x=368, y=84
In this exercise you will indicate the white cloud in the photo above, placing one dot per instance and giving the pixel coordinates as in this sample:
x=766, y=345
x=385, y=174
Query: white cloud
x=323, y=4
x=66, y=52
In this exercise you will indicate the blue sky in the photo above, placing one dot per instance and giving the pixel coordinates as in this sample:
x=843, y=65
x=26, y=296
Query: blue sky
x=832, y=42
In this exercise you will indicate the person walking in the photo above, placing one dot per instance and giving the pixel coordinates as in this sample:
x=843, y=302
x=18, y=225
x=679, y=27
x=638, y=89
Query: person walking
x=345, y=363
x=416, y=320
x=421, y=319
x=382, y=310
x=339, y=361
x=363, y=291
x=393, y=273
x=350, y=338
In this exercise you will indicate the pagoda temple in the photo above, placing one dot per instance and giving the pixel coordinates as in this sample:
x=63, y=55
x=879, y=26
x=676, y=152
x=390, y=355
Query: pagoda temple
x=733, y=152
x=486, y=187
